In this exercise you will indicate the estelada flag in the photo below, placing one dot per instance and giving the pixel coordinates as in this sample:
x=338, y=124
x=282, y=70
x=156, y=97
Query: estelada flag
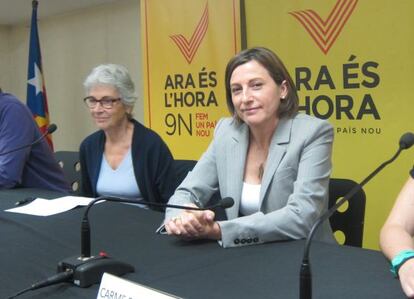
x=36, y=91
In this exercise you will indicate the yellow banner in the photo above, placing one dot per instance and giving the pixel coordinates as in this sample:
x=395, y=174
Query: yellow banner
x=187, y=44
x=352, y=62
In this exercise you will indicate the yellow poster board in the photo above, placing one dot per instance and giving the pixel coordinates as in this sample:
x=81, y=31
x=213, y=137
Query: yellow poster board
x=353, y=65
x=187, y=44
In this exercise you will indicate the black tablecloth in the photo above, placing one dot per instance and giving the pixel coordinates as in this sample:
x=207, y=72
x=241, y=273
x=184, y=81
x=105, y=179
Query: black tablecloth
x=32, y=246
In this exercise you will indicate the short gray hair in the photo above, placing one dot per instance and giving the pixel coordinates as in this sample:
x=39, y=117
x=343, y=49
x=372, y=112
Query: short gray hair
x=113, y=75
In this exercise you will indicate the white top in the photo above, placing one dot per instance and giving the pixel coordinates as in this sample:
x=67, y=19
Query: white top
x=119, y=182
x=250, y=199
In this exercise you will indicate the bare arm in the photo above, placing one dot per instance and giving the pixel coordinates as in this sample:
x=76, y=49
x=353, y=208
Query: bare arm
x=396, y=235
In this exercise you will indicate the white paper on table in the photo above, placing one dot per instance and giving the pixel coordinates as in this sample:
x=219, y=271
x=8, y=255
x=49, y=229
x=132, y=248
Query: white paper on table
x=47, y=207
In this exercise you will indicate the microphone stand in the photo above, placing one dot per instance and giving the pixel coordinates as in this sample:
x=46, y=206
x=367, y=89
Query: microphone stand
x=406, y=141
x=87, y=269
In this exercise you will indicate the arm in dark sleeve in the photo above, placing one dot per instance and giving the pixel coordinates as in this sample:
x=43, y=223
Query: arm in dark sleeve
x=16, y=129
x=86, y=186
x=165, y=180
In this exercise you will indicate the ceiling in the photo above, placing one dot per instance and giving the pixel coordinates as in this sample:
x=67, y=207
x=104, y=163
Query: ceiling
x=19, y=11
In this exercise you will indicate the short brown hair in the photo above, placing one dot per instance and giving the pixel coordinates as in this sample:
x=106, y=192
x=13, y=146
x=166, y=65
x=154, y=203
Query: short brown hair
x=277, y=70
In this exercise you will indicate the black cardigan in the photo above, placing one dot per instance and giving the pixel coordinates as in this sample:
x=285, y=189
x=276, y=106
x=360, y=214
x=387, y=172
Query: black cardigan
x=151, y=158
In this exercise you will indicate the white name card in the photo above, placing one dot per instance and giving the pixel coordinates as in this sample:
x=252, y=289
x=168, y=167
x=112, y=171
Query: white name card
x=113, y=287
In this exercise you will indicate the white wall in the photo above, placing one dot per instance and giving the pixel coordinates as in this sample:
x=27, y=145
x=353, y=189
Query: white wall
x=72, y=44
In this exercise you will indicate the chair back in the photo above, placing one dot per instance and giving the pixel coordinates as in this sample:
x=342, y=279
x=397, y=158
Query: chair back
x=351, y=221
x=181, y=169
x=69, y=161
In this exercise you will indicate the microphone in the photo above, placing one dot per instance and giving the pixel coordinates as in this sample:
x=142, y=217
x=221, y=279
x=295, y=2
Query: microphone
x=50, y=129
x=87, y=270
x=406, y=141
x=225, y=203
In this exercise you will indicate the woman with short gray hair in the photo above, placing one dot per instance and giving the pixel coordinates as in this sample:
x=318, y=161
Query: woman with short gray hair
x=124, y=158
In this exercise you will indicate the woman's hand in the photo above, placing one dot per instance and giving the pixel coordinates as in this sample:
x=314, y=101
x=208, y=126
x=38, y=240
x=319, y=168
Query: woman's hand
x=194, y=225
x=406, y=274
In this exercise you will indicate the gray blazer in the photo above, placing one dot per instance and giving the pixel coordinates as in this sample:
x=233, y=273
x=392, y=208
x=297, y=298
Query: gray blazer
x=294, y=191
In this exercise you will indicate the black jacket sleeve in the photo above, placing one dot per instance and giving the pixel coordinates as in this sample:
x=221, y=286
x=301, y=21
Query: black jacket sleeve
x=86, y=186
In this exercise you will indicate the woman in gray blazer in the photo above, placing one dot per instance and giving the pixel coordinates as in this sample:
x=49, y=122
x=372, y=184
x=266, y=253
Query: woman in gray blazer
x=273, y=162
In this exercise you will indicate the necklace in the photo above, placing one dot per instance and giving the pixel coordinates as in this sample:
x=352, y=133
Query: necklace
x=261, y=171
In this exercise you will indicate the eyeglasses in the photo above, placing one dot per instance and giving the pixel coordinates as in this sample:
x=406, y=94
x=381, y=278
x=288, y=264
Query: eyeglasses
x=106, y=102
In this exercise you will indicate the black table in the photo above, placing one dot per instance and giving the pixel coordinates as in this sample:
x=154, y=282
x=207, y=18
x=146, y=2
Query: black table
x=32, y=246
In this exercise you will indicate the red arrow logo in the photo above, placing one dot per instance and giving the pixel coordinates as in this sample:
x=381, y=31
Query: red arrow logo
x=189, y=47
x=325, y=32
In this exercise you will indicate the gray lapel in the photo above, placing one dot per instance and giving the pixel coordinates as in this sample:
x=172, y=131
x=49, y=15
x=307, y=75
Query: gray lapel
x=235, y=163
x=277, y=150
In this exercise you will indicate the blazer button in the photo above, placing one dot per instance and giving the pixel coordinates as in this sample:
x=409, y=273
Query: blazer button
x=255, y=240
x=236, y=241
